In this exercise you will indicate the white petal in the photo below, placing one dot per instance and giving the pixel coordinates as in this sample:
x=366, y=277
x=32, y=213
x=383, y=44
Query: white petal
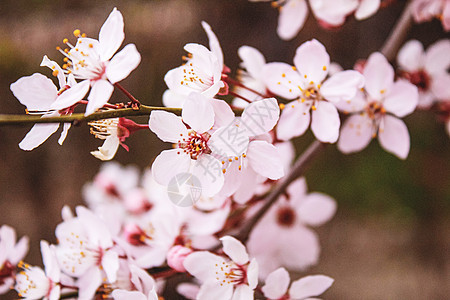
x=208, y=171
x=252, y=60
x=282, y=80
x=235, y=250
x=325, y=122
x=367, y=8
x=109, y=148
x=394, y=137
x=310, y=286
x=198, y=113
x=172, y=99
x=37, y=135
x=342, y=86
x=260, y=116
x=356, y=134
x=252, y=273
x=265, y=159
x=167, y=126
x=36, y=92
x=110, y=263
x=20, y=250
x=437, y=59
x=123, y=63
x=202, y=264
x=402, y=98
x=168, y=164
x=440, y=86
x=356, y=104
x=243, y=292
x=100, y=93
x=294, y=120
x=111, y=35
x=50, y=263
x=411, y=56
x=188, y=290
x=71, y=96
x=316, y=209
x=55, y=67
x=89, y=283
x=312, y=61
x=223, y=115
x=379, y=75
x=276, y=284
x=229, y=140
x=125, y=295
x=64, y=132
x=213, y=290
x=292, y=18
x=214, y=44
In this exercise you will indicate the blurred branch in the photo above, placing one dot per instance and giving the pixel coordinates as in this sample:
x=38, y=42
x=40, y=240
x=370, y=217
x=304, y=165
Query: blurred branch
x=398, y=34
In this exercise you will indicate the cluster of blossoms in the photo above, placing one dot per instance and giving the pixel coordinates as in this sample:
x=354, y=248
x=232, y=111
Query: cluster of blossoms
x=226, y=159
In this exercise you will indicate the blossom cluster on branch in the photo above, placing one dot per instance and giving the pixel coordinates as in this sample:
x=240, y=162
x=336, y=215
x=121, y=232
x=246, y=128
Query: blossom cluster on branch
x=226, y=206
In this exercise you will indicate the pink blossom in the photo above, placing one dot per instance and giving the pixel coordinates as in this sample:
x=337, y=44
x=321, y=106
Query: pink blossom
x=425, y=10
x=176, y=256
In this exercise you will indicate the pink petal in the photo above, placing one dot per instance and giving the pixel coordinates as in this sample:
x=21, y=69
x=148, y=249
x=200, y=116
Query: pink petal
x=310, y=286
x=316, y=209
x=356, y=134
x=379, y=75
x=37, y=135
x=440, y=86
x=223, y=115
x=173, y=99
x=110, y=264
x=168, y=164
x=325, y=122
x=367, y=8
x=100, y=93
x=36, y=92
x=198, y=113
x=235, y=250
x=312, y=61
x=208, y=171
x=202, y=264
x=402, y=98
x=294, y=120
x=46, y=62
x=252, y=273
x=123, y=63
x=111, y=35
x=89, y=282
x=342, y=86
x=214, y=44
x=252, y=60
x=277, y=284
x=394, y=137
x=167, y=126
x=333, y=12
x=411, y=56
x=282, y=80
x=188, y=290
x=125, y=295
x=242, y=292
x=437, y=58
x=51, y=265
x=260, y=116
x=231, y=140
x=213, y=290
x=64, y=132
x=292, y=18
x=109, y=148
x=20, y=250
x=265, y=159
x=71, y=96
x=356, y=104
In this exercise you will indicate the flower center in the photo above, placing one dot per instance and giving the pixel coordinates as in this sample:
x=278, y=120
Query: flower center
x=375, y=109
x=136, y=236
x=286, y=216
x=193, y=76
x=7, y=271
x=195, y=144
x=421, y=79
x=102, y=129
x=230, y=273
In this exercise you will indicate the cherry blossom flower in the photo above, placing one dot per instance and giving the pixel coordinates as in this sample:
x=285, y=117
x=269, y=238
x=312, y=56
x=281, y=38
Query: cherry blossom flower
x=85, y=251
x=427, y=70
x=34, y=283
x=425, y=10
x=277, y=283
x=39, y=94
x=201, y=73
x=223, y=279
x=192, y=153
x=143, y=284
x=377, y=113
x=307, y=85
x=10, y=254
x=282, y=237
x=92, y=61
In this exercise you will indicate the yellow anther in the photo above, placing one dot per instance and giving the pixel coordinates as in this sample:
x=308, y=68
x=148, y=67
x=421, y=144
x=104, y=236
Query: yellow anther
x=283, y=75
x=313, y=107
x=324, y=68
x=279, y=82
x=306, y=76
x=302, y=100
x=91, y=46
x=319, y=86
x=240, y=168
x=223, y=171
x=55, y=73
x=66, y=50
x=83, y=35
x=58, y=48
x=65, y=41
x=282, y=106
x=307, y=94
x=77, y=32
x=66, y=59
x=244, y=155
x=311, y=82
x=294, y=68
x=382, y=91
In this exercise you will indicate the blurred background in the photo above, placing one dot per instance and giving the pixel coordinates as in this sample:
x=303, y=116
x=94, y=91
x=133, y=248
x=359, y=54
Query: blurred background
x=391, y=236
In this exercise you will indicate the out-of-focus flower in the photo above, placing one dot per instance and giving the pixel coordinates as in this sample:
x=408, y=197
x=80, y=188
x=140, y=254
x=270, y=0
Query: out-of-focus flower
x=93, y=62
x=377, y=112
x=428, y=70
x=10, y=254
x=224, y=279
x=143, y=285
x=176, y=256
x=304, y=83
x=282, y=237
x=277, y=283
x=425, y=10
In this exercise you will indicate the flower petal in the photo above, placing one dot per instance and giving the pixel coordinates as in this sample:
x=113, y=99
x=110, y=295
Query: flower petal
x=88, y=283
x=367, y=8
x=342, y=86
x=437, y=59
x=198, y=113
x=325, y=122
x=379, y=75
x=310, y=286
x=100, y=93
x=111, y=35
x=167, y=126
x=110, y=264
x=208, y=171
x=440, y=86
x=260, y=116
x=402, y=98
x=294, y=120
x=411, y=56
x=109, y=148
x=252, y=60
x=282, y=80
x=223, y=115
x=36, y=92
x=71, y=96
x=312, y=61
x=276, y=284
x=356, y=104
x=173, y=99
x=201, y=264
x=356, y=134
x=37, y=135
x=168, y=164
x=235, y=250
x=393, y=136
x=64, y=132
x=231, y=140
x=265, y=159
x=242, y=292
x=214, y=44
x=292, y=18
x=316, y=209
x=213, y=290
x=123, y=63
x=46, y=62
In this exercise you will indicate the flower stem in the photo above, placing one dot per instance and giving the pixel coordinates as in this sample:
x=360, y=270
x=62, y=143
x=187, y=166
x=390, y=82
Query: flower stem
x=231, y=81
x=128, y=94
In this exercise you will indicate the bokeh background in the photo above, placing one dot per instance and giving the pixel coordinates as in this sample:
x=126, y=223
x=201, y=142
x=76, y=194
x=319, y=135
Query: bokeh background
x=391, y=236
